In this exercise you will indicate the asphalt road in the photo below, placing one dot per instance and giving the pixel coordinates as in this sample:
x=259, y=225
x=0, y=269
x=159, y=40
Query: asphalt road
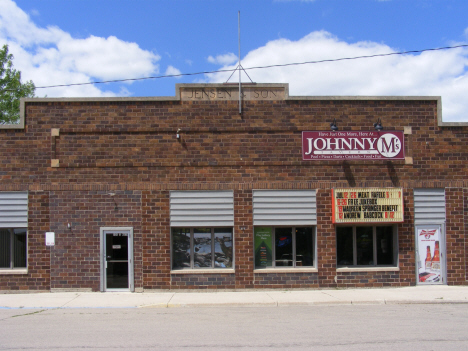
x=344, y=327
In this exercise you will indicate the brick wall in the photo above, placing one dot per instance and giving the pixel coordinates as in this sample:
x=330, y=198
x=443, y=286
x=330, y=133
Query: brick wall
x=156, y=238
x=290, y=280
x=130, y=148
x=203, y=281
x=465, y=231
x=243, y=240
x=455, y=236
x=75, y=258
x=326, y=240
x=38, y=276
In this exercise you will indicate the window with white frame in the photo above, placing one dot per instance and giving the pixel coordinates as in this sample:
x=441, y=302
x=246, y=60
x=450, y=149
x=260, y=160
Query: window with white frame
x=13, y=247
x=201, y=248
x=366, y=246
x=202, y=229
x=13, y=229
x=284, y=228
x=284, y=247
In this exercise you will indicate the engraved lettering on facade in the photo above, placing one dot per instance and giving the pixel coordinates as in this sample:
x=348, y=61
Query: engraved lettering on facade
x=264, y=94
x=228, y=93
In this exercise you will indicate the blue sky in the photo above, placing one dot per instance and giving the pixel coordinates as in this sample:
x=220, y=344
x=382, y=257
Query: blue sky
x=79, y=41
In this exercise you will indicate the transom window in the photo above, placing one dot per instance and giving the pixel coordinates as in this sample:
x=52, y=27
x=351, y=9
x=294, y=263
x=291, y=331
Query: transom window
x=284, y=247
x=194, y=248
x=13, y=248
x=366, y=246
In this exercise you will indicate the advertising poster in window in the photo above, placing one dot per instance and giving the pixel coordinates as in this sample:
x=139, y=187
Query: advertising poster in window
x=429, y=268
x=263, y=249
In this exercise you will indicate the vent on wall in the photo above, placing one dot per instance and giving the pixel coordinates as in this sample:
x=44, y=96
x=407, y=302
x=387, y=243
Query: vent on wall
x=429, y=206
x=14, y=209
x=202, y=208
x=284, y=207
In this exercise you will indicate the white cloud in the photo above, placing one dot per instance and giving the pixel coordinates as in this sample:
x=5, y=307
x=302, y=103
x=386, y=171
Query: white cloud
x=172, y=71
x=226, y=59
x=50, y=56
x=434, y=73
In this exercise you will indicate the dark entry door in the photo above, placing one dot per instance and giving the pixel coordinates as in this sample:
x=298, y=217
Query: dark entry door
x=117, y=260
x=117, y=252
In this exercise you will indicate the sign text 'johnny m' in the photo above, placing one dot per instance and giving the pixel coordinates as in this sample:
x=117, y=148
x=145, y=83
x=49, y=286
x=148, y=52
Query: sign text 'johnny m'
x=353, y=145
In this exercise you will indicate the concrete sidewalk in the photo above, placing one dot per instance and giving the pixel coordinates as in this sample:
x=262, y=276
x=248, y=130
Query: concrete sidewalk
x=433, y=294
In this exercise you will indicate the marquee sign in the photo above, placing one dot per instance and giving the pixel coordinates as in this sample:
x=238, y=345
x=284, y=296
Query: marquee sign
x=367, y=205
x=353, y=145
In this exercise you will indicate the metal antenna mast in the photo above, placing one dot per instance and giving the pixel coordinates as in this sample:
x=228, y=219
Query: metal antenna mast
x=239, y=67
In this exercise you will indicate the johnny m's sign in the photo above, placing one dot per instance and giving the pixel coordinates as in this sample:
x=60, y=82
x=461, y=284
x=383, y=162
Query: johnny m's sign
x=353, y=145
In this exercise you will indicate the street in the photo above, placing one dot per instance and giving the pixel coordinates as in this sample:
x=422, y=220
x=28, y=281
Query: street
x=345, y=327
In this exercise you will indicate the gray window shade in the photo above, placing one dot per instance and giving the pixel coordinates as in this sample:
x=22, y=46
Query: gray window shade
x=429, y=206
x=202, y=208
x=13, y=209
x=284, y=207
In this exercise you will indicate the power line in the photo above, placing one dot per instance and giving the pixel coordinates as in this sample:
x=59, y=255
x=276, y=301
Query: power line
x=258, y=67
x=361, y=57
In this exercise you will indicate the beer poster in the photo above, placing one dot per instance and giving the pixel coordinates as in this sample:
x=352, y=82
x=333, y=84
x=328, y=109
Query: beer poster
x=263, y=249
x=429, y=267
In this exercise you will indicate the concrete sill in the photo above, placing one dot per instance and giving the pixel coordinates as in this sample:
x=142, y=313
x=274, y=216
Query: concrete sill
x=203, y=271
x=13, y=271
x=286, y=270
x=368, y=269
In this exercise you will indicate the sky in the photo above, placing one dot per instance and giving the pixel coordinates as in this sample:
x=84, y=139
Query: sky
x=58, y=42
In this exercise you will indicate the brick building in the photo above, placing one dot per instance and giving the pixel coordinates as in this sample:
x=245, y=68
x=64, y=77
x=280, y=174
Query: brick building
x=204, y=190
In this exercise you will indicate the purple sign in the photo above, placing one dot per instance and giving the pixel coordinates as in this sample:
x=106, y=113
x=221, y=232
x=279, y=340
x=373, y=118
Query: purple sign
x=353, y=145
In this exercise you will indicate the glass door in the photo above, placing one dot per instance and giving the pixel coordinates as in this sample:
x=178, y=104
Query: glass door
x=116, y=258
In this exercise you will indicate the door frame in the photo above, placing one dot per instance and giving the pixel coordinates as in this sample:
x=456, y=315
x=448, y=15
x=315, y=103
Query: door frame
x=103, y=276
x=442, y=253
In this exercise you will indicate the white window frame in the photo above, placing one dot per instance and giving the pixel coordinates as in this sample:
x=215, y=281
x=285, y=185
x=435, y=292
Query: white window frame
x=14, y=215
x=12, y=250
x=192, y=253
x=293, y=232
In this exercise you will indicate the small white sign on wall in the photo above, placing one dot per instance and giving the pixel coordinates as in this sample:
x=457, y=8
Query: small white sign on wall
x=50, y=238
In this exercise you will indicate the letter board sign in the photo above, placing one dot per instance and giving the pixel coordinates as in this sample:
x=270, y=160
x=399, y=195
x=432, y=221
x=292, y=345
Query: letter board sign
x=367, y=205
x=353, y=145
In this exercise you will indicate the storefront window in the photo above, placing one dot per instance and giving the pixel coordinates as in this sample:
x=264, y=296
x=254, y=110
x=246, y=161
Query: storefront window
x=289, y=246
x=384, y=238
x=181, y=248
x=194, y=248
x=365, y=246
x=345, y=246
x=13, y=248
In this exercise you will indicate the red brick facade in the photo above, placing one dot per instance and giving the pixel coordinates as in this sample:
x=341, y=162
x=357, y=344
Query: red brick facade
x=73, y=152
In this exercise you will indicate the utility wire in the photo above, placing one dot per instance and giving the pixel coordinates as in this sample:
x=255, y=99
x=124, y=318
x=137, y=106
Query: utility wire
x=258, y=67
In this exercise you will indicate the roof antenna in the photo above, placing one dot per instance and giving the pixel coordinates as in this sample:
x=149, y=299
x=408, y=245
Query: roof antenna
x=239, y=67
